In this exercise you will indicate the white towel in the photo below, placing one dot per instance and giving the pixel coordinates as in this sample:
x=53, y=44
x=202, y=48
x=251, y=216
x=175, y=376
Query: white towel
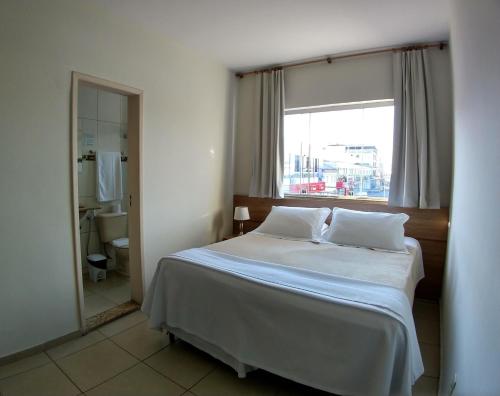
x=108, y=176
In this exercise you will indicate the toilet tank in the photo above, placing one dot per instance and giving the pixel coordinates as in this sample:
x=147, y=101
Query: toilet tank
x=111, y=226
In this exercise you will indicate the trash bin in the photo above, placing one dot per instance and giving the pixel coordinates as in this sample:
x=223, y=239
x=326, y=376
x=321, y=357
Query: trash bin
x=97, y=267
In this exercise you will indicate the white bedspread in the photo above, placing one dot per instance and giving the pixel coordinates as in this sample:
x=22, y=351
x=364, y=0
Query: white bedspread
x=399, y=270
x=336, y=333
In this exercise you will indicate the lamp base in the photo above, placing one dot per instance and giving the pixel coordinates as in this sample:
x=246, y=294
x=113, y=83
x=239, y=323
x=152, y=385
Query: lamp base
x=241, y=228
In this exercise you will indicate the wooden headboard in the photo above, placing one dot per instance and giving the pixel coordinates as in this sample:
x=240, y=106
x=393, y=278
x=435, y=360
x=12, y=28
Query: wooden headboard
x=428, y=226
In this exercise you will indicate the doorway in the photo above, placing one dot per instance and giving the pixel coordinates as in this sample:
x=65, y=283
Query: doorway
x=106, y=140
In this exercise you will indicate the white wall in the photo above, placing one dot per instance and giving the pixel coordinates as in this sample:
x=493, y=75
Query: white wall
x=186, y=158
x=471, y=294
x=343, y=81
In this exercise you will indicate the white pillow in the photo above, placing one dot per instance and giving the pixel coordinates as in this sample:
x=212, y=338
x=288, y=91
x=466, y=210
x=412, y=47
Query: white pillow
x=296, y=223
x=368, y=229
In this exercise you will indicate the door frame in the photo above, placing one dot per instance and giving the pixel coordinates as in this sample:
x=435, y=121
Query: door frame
x=134, y=183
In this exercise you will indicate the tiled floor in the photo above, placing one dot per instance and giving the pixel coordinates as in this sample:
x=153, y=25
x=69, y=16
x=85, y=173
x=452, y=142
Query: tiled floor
x=105, y=294
x=126, y=358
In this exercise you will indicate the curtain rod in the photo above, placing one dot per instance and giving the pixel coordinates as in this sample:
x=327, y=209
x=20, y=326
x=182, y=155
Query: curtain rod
x=330, y=59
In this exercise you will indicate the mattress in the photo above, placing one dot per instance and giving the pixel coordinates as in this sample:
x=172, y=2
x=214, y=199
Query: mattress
x=332, y=317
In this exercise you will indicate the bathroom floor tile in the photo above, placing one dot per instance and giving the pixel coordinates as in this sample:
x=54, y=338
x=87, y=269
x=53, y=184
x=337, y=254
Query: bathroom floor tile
x=122, y=324
x=117, y=294
x=95, y=304
x=75, y=345
x=96, y=364
x=46, y=380
x=182, y=363
x=23, y=365
x=138, y=380
x=113, y=279
x=141, y=341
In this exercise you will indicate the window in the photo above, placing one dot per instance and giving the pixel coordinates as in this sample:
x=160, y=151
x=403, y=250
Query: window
x=339, y=150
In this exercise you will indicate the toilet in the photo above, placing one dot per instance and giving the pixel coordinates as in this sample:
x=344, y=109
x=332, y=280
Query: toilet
x=112, y=228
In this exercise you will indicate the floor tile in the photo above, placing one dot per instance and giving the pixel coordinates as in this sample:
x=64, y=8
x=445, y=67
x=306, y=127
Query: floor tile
x=427, y=331
x=123, y=323
x=138, y=380
x=141, y=341
x=118, y=294
x=182, y=363
x=75, y=345
x=225, y=382
x=23, y=365
x=112, y=280
x=96, y=364
x=427, y=310
x=47, y=380
x=425, y=386
x=95, y=304
x=430, y=356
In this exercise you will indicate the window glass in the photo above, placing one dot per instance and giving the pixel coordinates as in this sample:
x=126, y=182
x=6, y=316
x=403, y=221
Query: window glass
x=339, y=150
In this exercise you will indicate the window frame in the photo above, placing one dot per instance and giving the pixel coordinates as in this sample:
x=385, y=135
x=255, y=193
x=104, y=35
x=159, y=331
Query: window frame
x=338, y=107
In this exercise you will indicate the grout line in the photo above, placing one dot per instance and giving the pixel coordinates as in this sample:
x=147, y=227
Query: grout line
x=130, y=353
x=128, y=368
x=27, y=370
x=165, y=376
x=170, y=379
x=114, y=376
x=202, y=378
x=73, y=353
x=64, y=373
x=124, y=330
x=119, y=346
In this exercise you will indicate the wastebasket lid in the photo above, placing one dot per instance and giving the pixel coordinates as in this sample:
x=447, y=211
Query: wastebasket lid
x=96, y=257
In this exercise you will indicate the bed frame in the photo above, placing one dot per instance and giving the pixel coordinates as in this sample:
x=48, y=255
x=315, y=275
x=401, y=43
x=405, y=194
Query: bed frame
x=428, y=226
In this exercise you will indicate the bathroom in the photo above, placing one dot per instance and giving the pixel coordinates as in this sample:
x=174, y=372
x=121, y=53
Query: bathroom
x=103, y=199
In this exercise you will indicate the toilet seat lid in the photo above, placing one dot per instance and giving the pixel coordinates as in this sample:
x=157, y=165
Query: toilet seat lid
x=120, y=243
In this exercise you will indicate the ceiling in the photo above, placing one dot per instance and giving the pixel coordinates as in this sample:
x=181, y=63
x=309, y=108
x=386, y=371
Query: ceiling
x=244, y=34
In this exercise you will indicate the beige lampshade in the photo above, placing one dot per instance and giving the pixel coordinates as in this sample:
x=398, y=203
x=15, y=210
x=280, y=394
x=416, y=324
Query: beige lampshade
x=241, y=213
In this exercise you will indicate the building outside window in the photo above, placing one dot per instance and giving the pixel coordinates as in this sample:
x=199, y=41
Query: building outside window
x=339, y=150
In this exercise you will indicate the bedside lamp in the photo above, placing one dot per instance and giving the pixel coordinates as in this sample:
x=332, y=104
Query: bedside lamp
x=241, y=214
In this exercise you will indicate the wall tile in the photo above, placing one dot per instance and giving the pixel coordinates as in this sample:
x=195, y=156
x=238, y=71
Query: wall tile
x=125, y=186
x=94, y=244
x=84, y=225
x=87, y=135
x=87, y=102
x=86, y=180
x=108, y=136
x=124, y=139
x=124, y=109
x=109, y=105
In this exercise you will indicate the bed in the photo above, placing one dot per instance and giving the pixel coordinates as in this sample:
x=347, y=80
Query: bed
x=336, y=318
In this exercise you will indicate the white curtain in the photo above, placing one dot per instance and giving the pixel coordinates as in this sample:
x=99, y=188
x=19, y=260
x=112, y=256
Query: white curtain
x=415, y=178
x=268, y=150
